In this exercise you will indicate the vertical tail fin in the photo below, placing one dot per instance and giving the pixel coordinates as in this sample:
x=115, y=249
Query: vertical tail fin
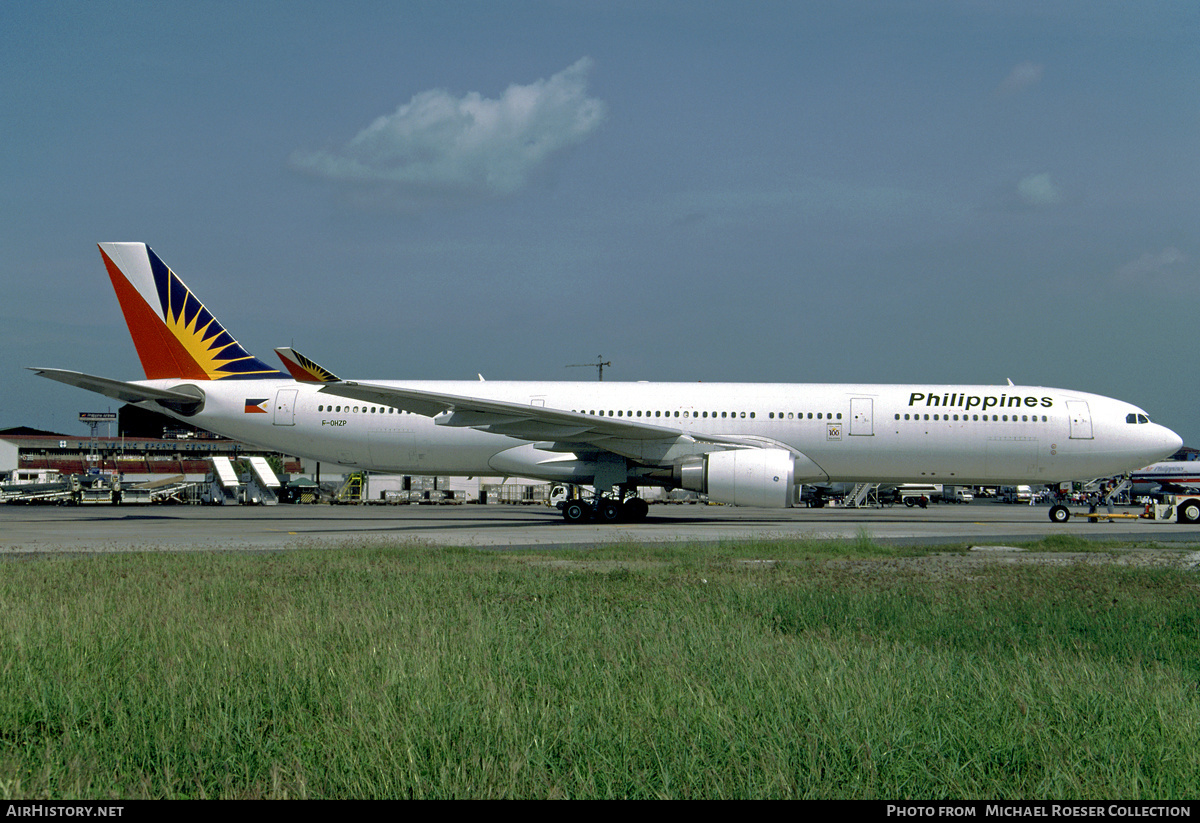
x=175, y=335
x=304, y=370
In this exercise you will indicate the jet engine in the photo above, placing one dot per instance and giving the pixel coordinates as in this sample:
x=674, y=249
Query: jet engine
x=742, y=477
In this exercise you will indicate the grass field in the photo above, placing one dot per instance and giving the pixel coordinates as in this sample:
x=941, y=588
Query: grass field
x=811, y=670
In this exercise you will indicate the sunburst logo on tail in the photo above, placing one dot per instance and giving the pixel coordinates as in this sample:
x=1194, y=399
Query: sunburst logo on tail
x=303, y=369
x=175, y=335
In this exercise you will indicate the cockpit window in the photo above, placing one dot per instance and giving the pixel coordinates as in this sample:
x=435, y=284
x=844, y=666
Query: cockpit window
x=1136, y=418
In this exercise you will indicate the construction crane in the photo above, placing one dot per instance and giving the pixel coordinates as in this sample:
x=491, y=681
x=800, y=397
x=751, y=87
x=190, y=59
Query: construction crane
x=598, y=366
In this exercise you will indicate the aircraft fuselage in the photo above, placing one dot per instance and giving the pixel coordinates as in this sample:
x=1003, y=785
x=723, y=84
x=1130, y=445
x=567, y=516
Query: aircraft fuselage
x=853, y=433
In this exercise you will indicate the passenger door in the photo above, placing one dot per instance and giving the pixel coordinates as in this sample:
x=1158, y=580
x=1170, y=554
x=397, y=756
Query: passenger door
x=861, y=412
x=1081, y=419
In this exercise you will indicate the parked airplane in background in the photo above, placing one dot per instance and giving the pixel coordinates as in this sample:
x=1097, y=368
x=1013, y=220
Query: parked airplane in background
x=1171, y=477
x=739, y=443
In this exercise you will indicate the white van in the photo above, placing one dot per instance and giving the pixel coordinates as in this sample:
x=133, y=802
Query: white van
x=957, y=494
x=1016, y=494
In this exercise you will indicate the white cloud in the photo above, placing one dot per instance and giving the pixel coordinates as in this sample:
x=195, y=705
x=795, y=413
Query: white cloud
x=1021, y=77
x=438, y=146
x=1038, y=190
x=1163, y=271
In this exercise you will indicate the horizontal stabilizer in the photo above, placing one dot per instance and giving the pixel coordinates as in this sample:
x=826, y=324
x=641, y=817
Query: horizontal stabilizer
x=120, y=390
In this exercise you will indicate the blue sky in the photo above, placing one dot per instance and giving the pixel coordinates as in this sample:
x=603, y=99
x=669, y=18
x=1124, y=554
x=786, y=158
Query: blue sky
x=932, y=192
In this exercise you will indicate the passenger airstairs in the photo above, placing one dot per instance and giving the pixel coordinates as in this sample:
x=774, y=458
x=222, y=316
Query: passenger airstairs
x=1126, y=483
x=863, y=494
x=224, y=488
x=263, y=487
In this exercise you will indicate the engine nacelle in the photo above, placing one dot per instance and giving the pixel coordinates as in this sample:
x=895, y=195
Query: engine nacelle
x=742, y=477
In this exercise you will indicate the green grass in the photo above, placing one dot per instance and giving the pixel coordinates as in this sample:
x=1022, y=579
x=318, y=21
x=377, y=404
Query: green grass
x=818, y=669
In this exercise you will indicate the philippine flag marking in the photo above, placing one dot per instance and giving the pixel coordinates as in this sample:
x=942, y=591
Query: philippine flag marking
x=255, y=405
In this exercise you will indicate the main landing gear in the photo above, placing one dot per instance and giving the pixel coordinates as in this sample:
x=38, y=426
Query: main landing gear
x=605, y=509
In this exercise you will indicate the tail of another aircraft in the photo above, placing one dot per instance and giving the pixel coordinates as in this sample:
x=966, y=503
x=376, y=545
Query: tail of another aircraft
x=304, y=370
x=175, y=335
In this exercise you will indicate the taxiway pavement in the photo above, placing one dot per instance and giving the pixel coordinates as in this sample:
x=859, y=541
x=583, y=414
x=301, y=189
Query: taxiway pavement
x=26, y=530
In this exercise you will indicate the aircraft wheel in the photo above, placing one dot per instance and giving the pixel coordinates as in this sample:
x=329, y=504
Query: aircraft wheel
x=610, y=511
x=576, y=511
x=1059, y=514
x=636, y=509
x=1189, y=512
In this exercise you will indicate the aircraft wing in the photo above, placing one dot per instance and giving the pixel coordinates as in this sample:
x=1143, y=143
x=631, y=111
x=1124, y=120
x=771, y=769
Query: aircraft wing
x=499, y=416
x=561, y=430
x=117, y=389
x=551, y=429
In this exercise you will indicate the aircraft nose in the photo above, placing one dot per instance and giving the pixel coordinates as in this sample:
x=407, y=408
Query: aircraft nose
x=1170, y=441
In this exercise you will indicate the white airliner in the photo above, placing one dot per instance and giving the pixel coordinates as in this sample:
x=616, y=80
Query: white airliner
x=1172, y=476
x=740, y=443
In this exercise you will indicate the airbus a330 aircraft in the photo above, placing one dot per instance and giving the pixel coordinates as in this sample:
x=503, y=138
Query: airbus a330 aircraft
x=739, y=443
